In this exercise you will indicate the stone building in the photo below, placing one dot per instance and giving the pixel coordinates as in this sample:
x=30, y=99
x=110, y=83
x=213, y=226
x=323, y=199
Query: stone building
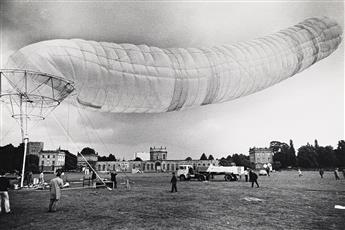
x=260, y=156
x=51, y=160
x=158, y=153
x=158, y=163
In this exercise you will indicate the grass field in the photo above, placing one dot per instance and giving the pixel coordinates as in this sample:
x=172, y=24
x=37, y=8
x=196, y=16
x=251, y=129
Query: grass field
x=287, y=202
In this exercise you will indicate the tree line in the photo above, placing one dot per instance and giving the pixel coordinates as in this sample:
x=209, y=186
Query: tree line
x=284, y=156
x=308, y=156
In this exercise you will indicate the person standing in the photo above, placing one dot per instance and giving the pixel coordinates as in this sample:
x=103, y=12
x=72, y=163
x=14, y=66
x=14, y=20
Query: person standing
x=336, y=174
x=173, y=183
x=4, y=198
x=253, y=177
x=41, y=177
x=268, y=170
x=300, y=173
x=321, y=172
x=56, y=185
x=113, y=179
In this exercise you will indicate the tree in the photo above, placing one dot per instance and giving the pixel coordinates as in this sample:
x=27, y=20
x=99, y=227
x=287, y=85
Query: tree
x=226, y=161
x=31, y=163
x=188, y=159
x=11, y=158
x=210, y=157
x=307, y=157
x=326, y=156
x=203, y=157
x=236, y=159
x=291, y=155
x=340, y=154
x=281, y=153
x=88, y=151
x=111, y=157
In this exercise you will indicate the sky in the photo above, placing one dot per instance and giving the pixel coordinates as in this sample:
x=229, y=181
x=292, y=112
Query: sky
x=306, y=107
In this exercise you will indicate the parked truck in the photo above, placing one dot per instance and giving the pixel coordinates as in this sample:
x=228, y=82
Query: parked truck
x=231, y=173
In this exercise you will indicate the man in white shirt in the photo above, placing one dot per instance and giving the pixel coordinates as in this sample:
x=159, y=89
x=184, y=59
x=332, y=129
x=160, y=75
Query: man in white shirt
x=56, y=185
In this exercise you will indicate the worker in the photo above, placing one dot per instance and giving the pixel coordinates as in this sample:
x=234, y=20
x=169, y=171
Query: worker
x=56, y=185
x=4, y=198
x=173, y=182
x=113, y=179
x=253, y=177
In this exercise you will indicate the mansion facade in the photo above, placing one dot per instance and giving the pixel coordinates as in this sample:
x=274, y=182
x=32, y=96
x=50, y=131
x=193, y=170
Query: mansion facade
x=158, y=163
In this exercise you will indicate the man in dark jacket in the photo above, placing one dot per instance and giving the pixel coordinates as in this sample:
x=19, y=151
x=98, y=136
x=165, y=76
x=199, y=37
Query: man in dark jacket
x=253, y=178
x=113, y=179
x=4, y=198
x=173, y=183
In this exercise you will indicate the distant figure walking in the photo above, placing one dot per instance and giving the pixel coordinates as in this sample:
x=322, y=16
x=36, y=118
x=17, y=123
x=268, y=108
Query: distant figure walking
x=113, y=179
x=173, y=183
x=246, y=175
x=321, y=172
x=336, y=174
x=253, y=177
x=56, y=185
x=4, y=198
x=300, y=173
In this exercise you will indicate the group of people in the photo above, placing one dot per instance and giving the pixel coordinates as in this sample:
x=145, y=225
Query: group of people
x=57, y=184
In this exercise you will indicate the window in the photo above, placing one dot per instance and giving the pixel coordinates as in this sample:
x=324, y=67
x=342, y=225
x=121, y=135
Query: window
x=163, y=166
x=148, y=167
x=151, y=166
x=168, y=167
x=103, y=167
x=99, y=167
x=48, y=156
x=172, y=167
x=163, y=156
x=42, y=163
x=42, y=156
x=114, y=167
x=53, y=156
x=53, y=163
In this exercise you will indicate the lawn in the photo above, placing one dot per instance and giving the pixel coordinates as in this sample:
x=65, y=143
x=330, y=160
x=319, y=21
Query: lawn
x=286, y=202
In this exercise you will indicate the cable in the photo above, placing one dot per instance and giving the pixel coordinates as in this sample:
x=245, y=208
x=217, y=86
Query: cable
x=58, y=122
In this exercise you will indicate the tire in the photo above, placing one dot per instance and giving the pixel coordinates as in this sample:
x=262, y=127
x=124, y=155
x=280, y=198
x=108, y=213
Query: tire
x=201, y=178
x=228, y=177
x=182, y=178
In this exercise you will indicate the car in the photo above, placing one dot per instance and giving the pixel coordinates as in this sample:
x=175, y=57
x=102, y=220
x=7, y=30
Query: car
x=262, y=172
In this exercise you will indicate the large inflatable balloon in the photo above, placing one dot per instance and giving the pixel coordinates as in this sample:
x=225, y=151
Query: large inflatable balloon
x=130, y=78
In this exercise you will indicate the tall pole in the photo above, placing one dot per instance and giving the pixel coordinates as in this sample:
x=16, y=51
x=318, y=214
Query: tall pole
x=24, y=133
x=24, y=158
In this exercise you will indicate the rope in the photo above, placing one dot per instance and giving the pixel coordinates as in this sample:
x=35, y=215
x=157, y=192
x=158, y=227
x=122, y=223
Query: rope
x=58, y=122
